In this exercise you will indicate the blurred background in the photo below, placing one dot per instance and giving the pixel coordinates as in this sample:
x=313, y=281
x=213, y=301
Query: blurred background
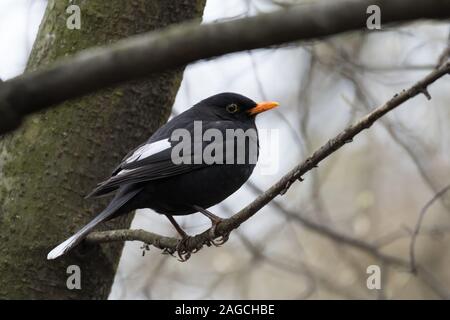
x=369, y=195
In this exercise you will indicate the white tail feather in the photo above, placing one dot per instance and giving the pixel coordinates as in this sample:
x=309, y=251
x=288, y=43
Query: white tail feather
x=61, y=248
x=71, y=242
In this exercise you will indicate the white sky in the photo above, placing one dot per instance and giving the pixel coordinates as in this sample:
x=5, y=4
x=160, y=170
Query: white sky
x=19, y=21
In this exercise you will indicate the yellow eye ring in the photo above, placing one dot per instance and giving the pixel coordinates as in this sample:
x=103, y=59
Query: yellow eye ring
x=232, y=108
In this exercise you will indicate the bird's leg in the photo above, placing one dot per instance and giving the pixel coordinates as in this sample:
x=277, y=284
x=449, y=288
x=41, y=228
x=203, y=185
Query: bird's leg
x=172, y=220
x=215, y=220
x=183, y=254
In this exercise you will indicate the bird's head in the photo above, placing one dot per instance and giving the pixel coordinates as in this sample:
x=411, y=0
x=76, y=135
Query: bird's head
x=233, y=106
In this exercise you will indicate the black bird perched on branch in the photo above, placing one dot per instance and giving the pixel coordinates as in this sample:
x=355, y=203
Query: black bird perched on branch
x=177, y=177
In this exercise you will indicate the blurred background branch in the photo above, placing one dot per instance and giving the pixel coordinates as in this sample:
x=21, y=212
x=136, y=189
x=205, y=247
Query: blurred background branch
x=177, y=46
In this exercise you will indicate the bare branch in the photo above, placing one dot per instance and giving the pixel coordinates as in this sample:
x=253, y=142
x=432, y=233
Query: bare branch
x=422, y=213
x=176, y=46
x=196, y=242
x=147, y=237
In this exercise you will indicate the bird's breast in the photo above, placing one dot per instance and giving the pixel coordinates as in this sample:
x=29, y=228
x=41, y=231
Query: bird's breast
x=203, y=187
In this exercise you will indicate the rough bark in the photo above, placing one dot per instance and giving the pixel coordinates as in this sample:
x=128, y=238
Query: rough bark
x=55, y=158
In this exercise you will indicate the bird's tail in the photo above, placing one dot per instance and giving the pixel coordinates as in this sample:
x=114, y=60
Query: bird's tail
x=71, y=242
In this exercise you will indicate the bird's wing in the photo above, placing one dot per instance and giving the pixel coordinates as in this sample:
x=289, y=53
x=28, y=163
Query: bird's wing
x=154, y=160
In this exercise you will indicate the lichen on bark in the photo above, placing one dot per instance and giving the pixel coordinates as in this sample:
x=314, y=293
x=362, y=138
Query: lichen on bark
x=55, y=158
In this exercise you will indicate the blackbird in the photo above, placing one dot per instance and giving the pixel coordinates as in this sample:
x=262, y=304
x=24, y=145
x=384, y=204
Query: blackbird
x=184, y=182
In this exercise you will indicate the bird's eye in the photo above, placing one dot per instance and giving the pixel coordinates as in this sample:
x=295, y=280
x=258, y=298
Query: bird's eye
x=232, y=108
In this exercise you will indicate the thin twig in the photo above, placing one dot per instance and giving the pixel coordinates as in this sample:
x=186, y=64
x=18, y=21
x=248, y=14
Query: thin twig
x=412, y=256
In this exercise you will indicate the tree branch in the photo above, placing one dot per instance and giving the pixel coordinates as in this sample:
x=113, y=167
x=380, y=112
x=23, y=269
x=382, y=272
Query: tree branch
x=423, y=212
x=176, y=46
x=196, y=242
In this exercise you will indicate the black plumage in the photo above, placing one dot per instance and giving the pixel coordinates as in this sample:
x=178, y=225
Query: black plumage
x=148, y=176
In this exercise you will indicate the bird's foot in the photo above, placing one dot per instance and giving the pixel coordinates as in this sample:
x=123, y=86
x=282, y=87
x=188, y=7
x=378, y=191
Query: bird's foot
x=221, y=240
x=183, y=252
x=215, y=220
x=212, y=233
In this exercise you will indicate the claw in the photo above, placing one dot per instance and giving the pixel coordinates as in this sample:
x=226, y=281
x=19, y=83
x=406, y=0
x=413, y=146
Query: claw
x=223, y=238
x=183, y=253
x=168, y=251
x=212, y=230
x=212, y=233
x=215, y=220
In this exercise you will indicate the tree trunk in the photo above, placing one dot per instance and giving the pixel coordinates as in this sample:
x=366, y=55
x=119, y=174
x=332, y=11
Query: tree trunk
x=50, y=163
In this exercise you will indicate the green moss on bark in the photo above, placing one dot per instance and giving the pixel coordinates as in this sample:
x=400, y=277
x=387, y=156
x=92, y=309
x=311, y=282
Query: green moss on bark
x=57, y=157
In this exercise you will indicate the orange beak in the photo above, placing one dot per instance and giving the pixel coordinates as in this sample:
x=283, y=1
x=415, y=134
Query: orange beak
x=263, y=106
